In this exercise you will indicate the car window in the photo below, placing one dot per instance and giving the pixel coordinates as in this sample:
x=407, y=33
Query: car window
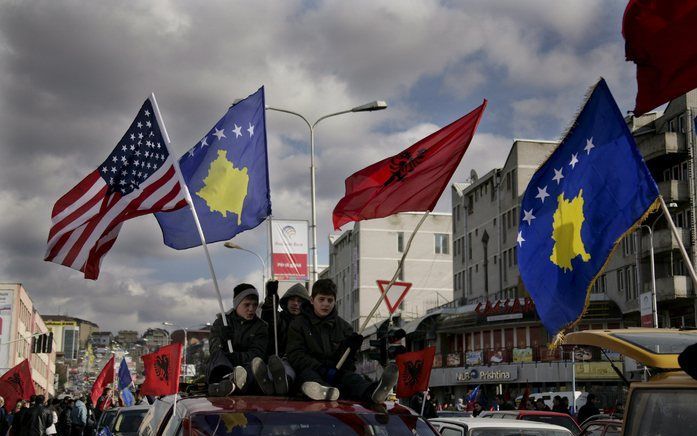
x=664, y=412
x=556, y=420
x=309, y=424
x=594, y=430
x=450, y=431
x=157, y=413
x=129, y=421
x=517, y=432
x=107, y=419
x=613, y=430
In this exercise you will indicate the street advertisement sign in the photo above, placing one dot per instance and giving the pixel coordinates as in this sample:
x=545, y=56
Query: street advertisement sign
x=473, y=358
x=6, y=300
x=289, y=248
x=522, y=355
x=597, y=371
x=395, y=295
x=646, y=308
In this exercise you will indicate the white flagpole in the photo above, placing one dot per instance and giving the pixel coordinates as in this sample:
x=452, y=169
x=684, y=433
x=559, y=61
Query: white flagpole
x=193, y=212
x=387, y=288
x=678, y=238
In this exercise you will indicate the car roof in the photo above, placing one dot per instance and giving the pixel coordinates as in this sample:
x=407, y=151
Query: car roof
x=498, y=423
x=285, y=404
x=603, y=421
x=135, y=407
x=658, y=348
x=526, y=412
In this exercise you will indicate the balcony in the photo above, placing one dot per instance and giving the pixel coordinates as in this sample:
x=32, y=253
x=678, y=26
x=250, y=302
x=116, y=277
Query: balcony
x=663, y=240
x=675, y=190
x=662, y=144
x=670, y=288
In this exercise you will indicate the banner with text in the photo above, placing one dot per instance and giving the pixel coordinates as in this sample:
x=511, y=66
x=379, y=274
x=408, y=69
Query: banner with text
x=289, y=250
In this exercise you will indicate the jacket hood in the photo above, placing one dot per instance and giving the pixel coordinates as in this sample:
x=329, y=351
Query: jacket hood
x=297, y=290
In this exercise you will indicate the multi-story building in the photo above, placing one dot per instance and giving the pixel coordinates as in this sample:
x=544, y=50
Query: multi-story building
x=371, y=252
x=19, y=322
x=102, y=339
x=156, y=338
x=127, y=338
x=81, y=327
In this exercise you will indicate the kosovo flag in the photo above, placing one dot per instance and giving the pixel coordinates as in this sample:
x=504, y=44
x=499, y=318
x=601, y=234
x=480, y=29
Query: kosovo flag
x=227, y=174
x=593, y=190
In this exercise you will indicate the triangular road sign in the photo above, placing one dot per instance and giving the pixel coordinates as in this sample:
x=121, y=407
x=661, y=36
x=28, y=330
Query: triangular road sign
x=396, y=294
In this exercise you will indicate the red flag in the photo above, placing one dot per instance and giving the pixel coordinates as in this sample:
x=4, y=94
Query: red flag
x=17, y=384
x=524, y=401
x=105, y=378
x=414, y=371
x=162, y=370
x=659, y=39
x=137, y=178
x=412, y=180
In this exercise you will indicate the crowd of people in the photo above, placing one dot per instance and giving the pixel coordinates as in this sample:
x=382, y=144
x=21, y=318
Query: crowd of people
x=311, y=340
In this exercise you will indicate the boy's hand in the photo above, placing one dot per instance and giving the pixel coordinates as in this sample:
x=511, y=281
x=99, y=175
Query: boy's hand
x=354, y=341
x=272, y=288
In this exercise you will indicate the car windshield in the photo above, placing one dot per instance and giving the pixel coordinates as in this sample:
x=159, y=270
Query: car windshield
x=556, y=420
x=516, y=432
x=108, y=418
x=128, y=421
x=659, y=343
x=665, y=412
x=311, y=424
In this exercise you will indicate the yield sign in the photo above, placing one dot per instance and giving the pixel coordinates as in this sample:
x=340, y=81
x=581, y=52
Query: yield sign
x=397, y=292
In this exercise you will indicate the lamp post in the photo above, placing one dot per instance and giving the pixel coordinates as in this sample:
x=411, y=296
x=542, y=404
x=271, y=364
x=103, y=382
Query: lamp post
x=368, y=107
x=232, y=245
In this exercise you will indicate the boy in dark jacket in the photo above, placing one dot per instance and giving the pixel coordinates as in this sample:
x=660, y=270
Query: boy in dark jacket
x=230, y=371
x=316, y=341
x=293, y=300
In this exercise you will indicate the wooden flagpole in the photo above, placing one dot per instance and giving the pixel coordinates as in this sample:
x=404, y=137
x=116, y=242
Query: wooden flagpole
x=387, y=288
x=193, y=212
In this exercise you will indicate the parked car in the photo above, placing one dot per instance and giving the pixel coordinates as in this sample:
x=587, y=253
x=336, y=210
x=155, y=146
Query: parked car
x=555, y=418
x=603, y=427
x=663, y=405
x=253, y=415
x=453, y=414
x=128, y=420
x=495, y=427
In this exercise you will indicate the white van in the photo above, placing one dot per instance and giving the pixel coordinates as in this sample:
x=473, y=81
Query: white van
x=548, y=398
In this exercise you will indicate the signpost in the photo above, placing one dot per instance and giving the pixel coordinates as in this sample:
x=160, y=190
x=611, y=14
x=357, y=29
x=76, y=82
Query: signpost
x=395, y=295
x=289, y=247
x=646, y=309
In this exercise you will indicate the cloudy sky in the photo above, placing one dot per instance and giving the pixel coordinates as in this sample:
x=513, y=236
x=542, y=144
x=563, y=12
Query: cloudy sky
x=73, y=75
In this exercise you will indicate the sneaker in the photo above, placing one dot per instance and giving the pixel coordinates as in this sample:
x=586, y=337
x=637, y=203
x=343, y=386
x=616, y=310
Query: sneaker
x=261, y=376
x=222, y=389
x=239, y=376
x=278, y=375
x=318, y=392
x=387, y=382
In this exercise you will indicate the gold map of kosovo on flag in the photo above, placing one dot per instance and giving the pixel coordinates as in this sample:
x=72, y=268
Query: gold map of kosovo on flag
x=592, y=191
x=225, y=187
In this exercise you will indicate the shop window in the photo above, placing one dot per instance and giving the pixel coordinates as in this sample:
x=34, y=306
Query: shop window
x=400, y=242
x=442, y=241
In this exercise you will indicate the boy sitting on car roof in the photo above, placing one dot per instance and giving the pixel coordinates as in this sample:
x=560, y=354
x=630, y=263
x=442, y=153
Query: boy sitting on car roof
x=316, y=341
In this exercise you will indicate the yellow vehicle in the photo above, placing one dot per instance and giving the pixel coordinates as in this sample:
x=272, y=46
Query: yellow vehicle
x=666, y=404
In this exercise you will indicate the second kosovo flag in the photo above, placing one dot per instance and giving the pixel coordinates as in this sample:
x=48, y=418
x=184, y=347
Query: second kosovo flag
x=227, y=173
x=410, y=181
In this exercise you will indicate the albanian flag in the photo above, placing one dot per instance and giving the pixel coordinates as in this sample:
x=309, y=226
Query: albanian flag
x=162, y=369
x=414, y=371
x=105, y=378
x=660, y=39
x=410, y=181
x=17, y=384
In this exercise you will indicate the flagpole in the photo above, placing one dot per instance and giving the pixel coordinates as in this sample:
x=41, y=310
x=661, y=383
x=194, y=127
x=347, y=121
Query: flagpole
x=387, y=288
x=193, y=213
x=423, y=403
x=678, y=238
x=274, y=299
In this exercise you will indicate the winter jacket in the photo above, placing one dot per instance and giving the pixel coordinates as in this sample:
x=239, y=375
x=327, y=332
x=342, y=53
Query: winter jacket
x=38, y=419
x=250, y=338
x=318, y=343
x=78, y=415
x=283, y=318
x=64, y=423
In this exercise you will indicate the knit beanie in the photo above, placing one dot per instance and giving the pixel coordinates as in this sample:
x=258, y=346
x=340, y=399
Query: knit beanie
x=241, y=291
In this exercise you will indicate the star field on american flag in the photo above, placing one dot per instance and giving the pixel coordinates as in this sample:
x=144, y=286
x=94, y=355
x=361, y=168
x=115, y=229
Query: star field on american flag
x=137, y=155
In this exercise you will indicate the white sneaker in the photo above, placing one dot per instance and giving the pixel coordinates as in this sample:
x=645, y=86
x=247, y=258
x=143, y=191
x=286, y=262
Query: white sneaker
x=261, y=376
x=278, y=375
x=388, y=381
x=239, y=376
x=318, y=392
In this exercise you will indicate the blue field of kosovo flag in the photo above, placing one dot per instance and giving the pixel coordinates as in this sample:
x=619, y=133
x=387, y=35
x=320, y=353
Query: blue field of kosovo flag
x=227, y=174
x=592, y=190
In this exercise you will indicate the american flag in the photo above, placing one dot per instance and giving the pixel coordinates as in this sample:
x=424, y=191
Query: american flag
x=137, y=178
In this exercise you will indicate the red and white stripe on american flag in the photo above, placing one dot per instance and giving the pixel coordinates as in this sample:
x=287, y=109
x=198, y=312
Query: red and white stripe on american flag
x=86, y=221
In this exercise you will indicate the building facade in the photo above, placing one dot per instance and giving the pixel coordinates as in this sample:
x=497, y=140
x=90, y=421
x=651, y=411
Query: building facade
x=19, y=322
x=371, y=252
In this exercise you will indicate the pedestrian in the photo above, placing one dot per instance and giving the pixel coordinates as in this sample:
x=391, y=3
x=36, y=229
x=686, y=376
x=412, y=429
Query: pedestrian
x=291, y=305
x=557, y=405
x=317, y=339
x=78, y=417
x=416, y=403
x=589, y=409
x=565, y=406
x=4, y=425
x=240, y=370
x=64, y=417
x=38, y=418
x=460, y=405
x=104, y=402
x=477, y=409
x=54, y=409
x=541, y=406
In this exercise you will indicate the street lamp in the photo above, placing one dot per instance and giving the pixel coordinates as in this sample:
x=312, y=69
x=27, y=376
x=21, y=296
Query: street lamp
x=186, y=341
x=368, y=107
x=232, y=245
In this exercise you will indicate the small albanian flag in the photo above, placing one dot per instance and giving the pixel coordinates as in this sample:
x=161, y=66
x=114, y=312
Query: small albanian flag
x=104, y=379
x=162, y=369
x=17, y=384
x=414, y=371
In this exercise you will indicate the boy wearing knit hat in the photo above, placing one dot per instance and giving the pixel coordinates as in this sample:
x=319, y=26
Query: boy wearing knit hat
x=316, y=341
x=233, y=371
